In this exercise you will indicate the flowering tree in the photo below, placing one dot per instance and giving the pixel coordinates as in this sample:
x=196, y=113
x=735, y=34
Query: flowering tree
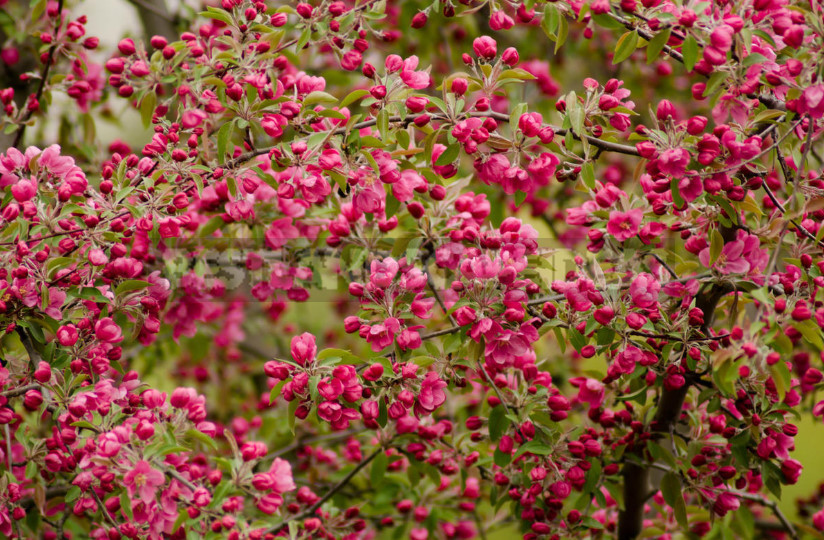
x=415, y=183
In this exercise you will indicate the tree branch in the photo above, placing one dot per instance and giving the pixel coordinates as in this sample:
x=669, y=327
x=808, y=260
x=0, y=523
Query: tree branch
x=309, y=512
x=772, y=505
x=44, y=75
x=670, y=404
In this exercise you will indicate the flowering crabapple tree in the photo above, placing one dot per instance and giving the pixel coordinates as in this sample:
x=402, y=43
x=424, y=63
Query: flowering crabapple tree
x=423, y=269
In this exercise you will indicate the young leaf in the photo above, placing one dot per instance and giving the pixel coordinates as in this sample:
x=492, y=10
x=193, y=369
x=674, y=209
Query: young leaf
x=498, y=422
x=625, y=47
x=656, y=45
x=689, y=50
x=449, y=155
x=671, y=490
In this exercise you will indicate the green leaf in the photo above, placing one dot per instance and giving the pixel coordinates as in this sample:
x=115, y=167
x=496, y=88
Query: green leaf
x=449, y=155
x=588, y=175
x=550, y=21
x=605, y=21
x=593, y=476
x=689, y=50
x=781, y=377
x=91, y=293
x=715, y=81
x=671, y=490
x=656, y=45
x=201, y=437
x=501, y=459
x=811, y=333
x=716, y=246
x=331, y=113
x=352, y=97
x=346, y=357
x=383, y=413
x=423, y=361
x=219, y=14
x=563, y=30
x=126, y=505
x=147, y=108
x=498, y=422
x=676, y=193
x=72, y=494
x=293, y=406
x=577, y=115
x=625, y=47
x=275, y=392
x=318, y=97
x=378, y=470
x=223, y=135
x=130, y=285
x=181, y=519
x=392, y=205
x=753, y=59
x=533, y=447
x=576, y=339
x=37, y=10
x=516, y=113
x=520, y=74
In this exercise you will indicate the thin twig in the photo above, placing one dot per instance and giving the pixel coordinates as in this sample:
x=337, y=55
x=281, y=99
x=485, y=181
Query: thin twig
x=556, y=297
x=103, y=508
x=500, y=117
x=312, y=440
x=431, y=283
x=44, y=75
x=772, y=505
x=665, y=265
x=180, y=478
x=329, y=494
x=8, y=445
x=154, y=9
x=20, y=390
x=439, y=333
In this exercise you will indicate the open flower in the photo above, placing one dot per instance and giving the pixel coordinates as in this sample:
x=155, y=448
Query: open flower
x=624, y=225
x=143, y=481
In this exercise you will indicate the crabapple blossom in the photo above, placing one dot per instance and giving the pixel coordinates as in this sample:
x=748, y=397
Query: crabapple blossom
x=356, y=270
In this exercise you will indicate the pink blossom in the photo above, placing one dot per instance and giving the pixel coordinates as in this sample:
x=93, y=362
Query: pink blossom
x=742, y=255
x=108, y=331
x=431, y=395
x=381, y=335
x=303, y=348
x=417, y=80
x=282, y=472
x=624, y=225
x=485, y=47
x=674, y=162
x=382, y=273
x=144, y=481
x=812, y=101
x=590, y=391
x=644, y=290
x=67, y=335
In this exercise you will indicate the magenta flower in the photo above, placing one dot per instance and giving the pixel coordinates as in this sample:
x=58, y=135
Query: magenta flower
x=674, y=162
x=143, y=480
x=107, y=330
x=812, y=101
x=282, y=472
x=644, y=290
x=303, y=348
x=591, y=391
x=624, y=225
x=431, y=395
x=740, y=256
